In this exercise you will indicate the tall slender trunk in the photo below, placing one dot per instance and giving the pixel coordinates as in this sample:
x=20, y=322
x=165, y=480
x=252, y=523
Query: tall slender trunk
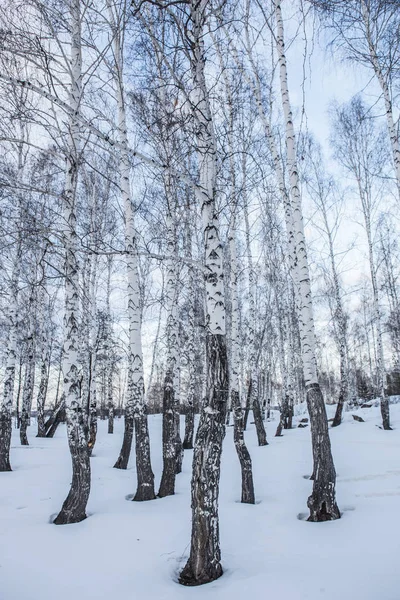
x=170, y=454
x=238, y=431
x=251, y=330
x=42, y=392
x=6, y=407
x=74, y=507
x=321, y=190
x=191, y=391
x=9, y=377
x=204, y=563
x=135, y=413
x=19, y=392
x=110, y=400
x=380, y=361
x=27, y=392
x=322, y=502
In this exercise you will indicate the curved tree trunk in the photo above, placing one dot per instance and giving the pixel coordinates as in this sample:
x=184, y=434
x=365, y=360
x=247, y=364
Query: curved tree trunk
x=238, y=416
x=204, y=563
x=242, y=452
x=322, y=502
x=73, y=509
x=123, y=458
x=56, y=418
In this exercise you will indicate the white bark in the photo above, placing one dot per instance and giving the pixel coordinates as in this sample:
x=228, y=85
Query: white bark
x=322, y=502
x=74, y=507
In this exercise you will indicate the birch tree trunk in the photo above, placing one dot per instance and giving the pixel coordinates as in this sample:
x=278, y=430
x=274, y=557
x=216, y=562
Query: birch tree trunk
x=189, y=414
x=7, y=403
x=380, y=361
x=170, y=448
x=204, y=563
x=45, y=347
x=27, y=391
x=9, y=377
x=92, y=400
x=135, y=412
x=110, y=400
x=110, y=351
x=74, y=507
x=41, y=397
x=56, y=418
x=238, y=422
x=322, y=502
x=253, y=393
x=342, y=333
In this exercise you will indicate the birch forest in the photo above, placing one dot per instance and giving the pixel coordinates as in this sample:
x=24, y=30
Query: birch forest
x=199, y=299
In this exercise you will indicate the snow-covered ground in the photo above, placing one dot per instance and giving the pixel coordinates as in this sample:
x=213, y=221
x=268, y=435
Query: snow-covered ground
x=133, y=551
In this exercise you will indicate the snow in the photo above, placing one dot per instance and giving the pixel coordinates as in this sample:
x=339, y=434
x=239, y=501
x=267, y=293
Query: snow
x=128, y=550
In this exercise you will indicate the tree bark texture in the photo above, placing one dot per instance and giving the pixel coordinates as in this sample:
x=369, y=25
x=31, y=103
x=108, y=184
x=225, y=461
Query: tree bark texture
x=27, y=392
x=242, y=451
x=204, y=563
x=73, y=509
x=322, y=502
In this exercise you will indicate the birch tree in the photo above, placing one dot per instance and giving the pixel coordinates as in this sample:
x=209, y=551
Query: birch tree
x=322, y=191
x=366, y=31
x=322, y=502
x=74, y=507
x=361, y=150
x=135, y=408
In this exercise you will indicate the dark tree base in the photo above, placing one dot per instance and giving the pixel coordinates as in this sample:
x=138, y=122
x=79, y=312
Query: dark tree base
x=278, y=432
x=189, y=428
x=111, y=424
x=5, y=442
x=74, y=508
x=92, y=438
x=385, y=414
x=259, y=423
x=242, y=452
x=179, y=458
x=170, y=459
x=5, y=465
x=189, y=578
x=144, y=493
x=66, y=518
x=145, y=475
x=322, y=502
x=123, y=459
x=167, y=485
x=323, y=511
x=338, y=414
x=204, y=565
